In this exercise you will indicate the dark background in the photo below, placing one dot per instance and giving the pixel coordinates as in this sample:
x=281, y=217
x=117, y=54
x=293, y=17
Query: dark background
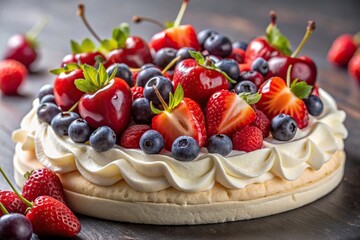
x=336, y=216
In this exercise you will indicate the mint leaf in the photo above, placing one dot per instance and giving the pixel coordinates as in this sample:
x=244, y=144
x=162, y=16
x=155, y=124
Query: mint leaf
x=85, y=86
x=87, y=46
x=300, y=89
x=75, y=47
x=250, y=98
x=278, y=40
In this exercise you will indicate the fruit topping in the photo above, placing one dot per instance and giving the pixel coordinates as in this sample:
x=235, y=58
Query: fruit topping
x=283, y=127
x=46, y=89
x=146, y=74
x=61, y=122
x=218, y=45
x=205, y=34
x=79, y=131
x=164, y=56
x=354, y=67
x=123, y=72
x=252, y=76
x=48, y=99
x=343, y=49
x=260, y=65
x=151, y=142
x=12, y=76
x=183, y=53
x=262, y=122
x=137, y=92
x=240, y=45
x=163, y=86
x=230, y=67
x=220, y=144
x=102, y=139
x=314, y=105
x=12, y=203
x=185, y=148
x=245, y=87
x=141, y=112
x=15, y=226
x=247, y=139
x=47, y=111
x=131, y=136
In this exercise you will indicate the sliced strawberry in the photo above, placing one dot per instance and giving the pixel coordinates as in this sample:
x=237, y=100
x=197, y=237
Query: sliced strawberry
x=226, y=112
x=277, y=97
x=183, y=117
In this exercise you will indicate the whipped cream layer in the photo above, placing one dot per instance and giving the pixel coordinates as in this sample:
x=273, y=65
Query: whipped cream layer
x=311, y=148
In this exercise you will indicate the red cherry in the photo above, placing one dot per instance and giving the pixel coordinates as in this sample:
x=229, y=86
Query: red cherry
x=238, y=55
x=70, y=58
x=259, y=47
x=65, y=92
x=253, y=76
x=110, y=106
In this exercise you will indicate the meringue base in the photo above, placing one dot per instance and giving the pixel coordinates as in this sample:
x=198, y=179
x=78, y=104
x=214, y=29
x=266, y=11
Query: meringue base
x=120, y=202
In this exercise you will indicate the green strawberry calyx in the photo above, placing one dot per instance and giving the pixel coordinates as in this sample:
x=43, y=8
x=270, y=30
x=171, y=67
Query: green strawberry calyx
x=117, y=40
x=299, y=88
x=174, y=100
x=66, y=69
x=250, y=98
x=86, y=46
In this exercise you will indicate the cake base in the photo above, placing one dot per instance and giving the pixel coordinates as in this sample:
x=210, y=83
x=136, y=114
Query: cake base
x=190, y=208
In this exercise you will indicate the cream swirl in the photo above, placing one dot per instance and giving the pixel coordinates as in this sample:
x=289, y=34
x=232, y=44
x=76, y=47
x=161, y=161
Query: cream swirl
x=311, y=148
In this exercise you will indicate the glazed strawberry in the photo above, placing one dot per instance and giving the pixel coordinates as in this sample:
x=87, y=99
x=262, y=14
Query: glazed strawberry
x=137, y=92
x=12, y=202
x=174, y=36
x=131, y=136
x=354, y=67
x=247, y=139
x=107, y=100
x=199, y=78
x=43, y=182
x=181, y=117
x=12, y=75
x=277, y=97
x=261, y=122
x=342, y=50
x=227, y=112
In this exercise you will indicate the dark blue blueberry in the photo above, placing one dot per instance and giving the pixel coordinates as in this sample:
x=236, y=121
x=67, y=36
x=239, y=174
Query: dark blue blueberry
x=15, y=226
x=205, y=34
x=151, y=142
x=102, y=139
x=79, y=131
x=283, y=127
x=240, y=44
x=220, y=144
x=245, y=86
x=61, y=122
x=146, y=74
x=185, y=148
x=141, y=112
x=218, y=45
x=123, y=72
x=230, y=67
x=164, y=56
x=314, y=105
x=163, y=85
x=184, y=53
x=48, y=98
x=45, y=90
x=148, y=65
x=47, y=111
x=213, y=58
x=260, y=65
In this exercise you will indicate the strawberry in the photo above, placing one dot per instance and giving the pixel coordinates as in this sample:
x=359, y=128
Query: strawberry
x=277, y=97
x=226, y=112
x=49, y=217
x=11, y=202
x=315, y=90
x=43, y=182
x=247, y=139
x=342, y=50
x=354, y=67
x=261, y=122
x=137, y=92
x=181, y=117
x=12, y=75
x=131, y=136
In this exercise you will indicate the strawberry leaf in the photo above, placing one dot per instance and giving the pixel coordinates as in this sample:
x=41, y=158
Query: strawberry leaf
x=178, y=96
x=300, y=89
x=101, y=76
x=120, y=34
x=278, y=40
x=154, y=109
x=87, y=46
x=85, y=86
x=107, y=45
x=75, y=47
x=68, y=68
x=90, y=74
x=199, y=58
x=250, y=98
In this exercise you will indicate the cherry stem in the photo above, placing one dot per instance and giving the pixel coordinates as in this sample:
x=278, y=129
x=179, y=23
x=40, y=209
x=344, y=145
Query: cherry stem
x=74, y=107
x=81, y=14
x=309, y=30
x=273, y=18
x=181, y=13
x=288, y=75
x=163, y=103
x=34, y=32
x=3, y=209
x=28, y=203
x=139, y=19
x=170, y=65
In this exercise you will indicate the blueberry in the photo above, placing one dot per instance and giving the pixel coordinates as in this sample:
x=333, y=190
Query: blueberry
x=79, y=131
x=48, y=98
x=230, y=67
x=213, y=58
x=123, y=72
x=147, y=65
x=283, y=127
x=220, y=144
x=240, y=44
x=61, y=122
x=164, y=56
x=146, y=74
x=205, y=34
x=141, y=112
x=151, y=142
x=260, y=65
x=163, y=85
x=252, y=76
x=15, y=226
x=314, y=105
x=45, y=90
x=218, y=45
x=184, y=53
x=245, y=86
x=185, y=148
x=102, y=139
x=47, y=111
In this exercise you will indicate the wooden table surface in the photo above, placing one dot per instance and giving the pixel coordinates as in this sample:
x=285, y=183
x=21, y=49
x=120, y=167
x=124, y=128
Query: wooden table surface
x=335, y=216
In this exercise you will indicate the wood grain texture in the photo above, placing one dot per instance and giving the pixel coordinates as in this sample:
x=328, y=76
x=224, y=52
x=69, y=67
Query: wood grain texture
x=336, y=216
